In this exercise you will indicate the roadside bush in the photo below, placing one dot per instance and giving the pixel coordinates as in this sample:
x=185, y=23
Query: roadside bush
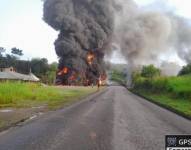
x=180, y=87
x=138, y=82
x=150, y=71
x=149, y=81
x=160, y=85
x=182, y=94
x=157, y=85
x=176, y=87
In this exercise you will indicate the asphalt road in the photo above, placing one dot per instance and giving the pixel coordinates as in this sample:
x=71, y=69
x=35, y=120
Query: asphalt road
x=111, y=120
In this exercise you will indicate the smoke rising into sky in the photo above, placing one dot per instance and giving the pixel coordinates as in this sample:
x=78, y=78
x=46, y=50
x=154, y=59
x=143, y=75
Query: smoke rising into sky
x=84, y=26
x=25, y=15
x=142, y=34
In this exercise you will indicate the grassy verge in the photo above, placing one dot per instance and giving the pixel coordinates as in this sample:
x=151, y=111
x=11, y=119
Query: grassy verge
x=173, y=93
x=180, y=106
x=28, y=99
x=23, y=95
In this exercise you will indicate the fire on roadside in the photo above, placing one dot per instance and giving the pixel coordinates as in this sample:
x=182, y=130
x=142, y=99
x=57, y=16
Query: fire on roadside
x=65, y=70
x=102, y=79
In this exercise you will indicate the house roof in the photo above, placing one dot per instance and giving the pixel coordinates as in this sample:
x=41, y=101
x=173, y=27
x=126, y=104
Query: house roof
x=18, y=76
x=6, y=75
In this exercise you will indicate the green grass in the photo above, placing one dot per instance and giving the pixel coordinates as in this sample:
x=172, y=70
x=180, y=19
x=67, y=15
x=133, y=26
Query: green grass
x=19, y=95
x=180, y=86
x=181, y=106
x=171, y=92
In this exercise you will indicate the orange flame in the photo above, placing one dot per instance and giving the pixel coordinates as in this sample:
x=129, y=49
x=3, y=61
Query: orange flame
x=90, y=58
x=63, y=71
x=102, y=79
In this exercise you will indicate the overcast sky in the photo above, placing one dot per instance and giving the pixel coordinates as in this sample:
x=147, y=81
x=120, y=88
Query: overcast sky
x=22, y=26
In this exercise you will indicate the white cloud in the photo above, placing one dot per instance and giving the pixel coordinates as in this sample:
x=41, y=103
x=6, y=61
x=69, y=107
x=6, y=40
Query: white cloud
x=28, y=32
x=182, y=7
x=32, y=36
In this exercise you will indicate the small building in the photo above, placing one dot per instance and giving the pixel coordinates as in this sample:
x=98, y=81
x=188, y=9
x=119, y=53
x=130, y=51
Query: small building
x=11, y=74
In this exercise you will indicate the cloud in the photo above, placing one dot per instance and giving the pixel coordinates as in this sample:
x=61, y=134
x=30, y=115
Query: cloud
x=26, y=30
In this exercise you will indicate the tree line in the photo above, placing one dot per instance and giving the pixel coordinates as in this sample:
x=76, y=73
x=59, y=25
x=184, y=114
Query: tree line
x=151, y=71
x=38, y=66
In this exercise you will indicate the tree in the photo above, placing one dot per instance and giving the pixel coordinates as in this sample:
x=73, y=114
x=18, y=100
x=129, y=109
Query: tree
x=39, y=66
x=185, y=70
x=51, y=74
x=2, y=50
x=150, y=71
x=43, y=70
x=17, y=51
x=53, y=66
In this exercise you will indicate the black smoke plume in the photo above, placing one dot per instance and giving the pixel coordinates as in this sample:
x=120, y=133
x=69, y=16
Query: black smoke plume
x=90, y=26
x=85, y=26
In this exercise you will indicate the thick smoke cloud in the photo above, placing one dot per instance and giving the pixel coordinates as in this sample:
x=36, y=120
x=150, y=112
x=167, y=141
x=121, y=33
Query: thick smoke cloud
x=170, y=69
x=182, y=37
x=83, y=25
x=143, y=37
x=142, y=34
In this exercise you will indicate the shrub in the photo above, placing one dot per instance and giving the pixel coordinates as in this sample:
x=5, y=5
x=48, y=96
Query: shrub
x=150, y=71
x=185, y=70
x=157, y=85
x=160, y=85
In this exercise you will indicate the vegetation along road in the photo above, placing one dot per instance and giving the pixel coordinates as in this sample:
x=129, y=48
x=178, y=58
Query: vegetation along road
x=113, y=119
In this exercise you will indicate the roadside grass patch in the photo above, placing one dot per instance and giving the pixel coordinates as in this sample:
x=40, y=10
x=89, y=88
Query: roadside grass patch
x=21, y=95
x=172, y=92
x=181, y=106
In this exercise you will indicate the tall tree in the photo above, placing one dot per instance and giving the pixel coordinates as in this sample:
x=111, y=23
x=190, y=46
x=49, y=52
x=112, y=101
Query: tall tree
x=2, y=50
x=51, y=74
x=2, y=59
x=17, y=51
x=39, y=66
